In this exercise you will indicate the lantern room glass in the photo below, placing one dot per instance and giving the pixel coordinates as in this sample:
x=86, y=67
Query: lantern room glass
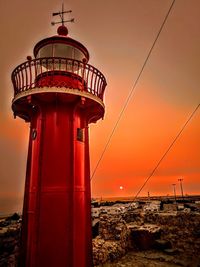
x=60, y=50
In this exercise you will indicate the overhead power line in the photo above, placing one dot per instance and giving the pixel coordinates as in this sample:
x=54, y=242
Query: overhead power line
x=166, y=152
x=132, y=90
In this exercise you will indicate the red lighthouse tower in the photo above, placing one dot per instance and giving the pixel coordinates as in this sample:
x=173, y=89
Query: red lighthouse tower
x=59, y=94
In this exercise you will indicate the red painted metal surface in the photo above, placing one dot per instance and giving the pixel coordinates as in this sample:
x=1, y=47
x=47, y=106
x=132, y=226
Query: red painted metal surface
x=56, y=227
x=56, y=216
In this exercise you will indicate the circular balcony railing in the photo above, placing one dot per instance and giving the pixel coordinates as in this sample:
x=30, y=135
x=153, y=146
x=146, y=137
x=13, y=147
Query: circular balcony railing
x=58, y=72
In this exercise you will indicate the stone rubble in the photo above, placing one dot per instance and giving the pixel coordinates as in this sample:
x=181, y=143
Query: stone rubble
x=173, y=236
x=9, y=243
x=113, y=240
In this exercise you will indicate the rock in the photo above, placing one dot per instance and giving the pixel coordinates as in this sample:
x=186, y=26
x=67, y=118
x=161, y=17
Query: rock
x=162, y=244
x=112, y=242
x=170, y=251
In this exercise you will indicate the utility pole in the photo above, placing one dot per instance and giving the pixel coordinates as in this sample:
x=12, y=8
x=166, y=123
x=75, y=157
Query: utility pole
x=174, y=187
x=181, y=186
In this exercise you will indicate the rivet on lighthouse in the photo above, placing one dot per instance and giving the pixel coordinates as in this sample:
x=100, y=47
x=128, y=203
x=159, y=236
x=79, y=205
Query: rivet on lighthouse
x=59, y=94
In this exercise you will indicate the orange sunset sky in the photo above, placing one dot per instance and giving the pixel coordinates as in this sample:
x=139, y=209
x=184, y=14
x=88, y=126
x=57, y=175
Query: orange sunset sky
x=118, y=35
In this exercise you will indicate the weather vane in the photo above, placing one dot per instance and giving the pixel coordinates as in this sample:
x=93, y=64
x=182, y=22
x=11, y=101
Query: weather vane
x=61, y=14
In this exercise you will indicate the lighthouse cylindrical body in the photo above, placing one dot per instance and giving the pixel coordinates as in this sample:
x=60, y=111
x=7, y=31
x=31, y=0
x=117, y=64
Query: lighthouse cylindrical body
x=59, y=94
x=57, y=220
